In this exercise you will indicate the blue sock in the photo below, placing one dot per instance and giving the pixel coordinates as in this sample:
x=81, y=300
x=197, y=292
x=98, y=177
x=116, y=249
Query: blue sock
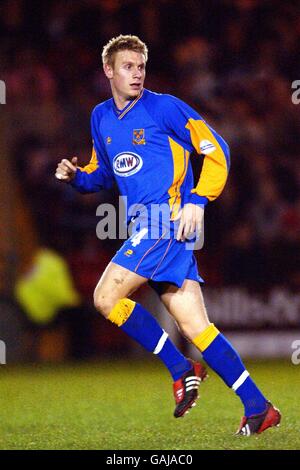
x=225, y=361
x=145, y=329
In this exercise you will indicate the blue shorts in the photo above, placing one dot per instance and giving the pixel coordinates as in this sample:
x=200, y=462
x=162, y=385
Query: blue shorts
x=163, y=259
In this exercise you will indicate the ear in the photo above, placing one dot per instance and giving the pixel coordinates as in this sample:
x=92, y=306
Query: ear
x=108, y=70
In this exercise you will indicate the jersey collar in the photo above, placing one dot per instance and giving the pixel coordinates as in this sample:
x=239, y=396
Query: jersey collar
x=121, y=113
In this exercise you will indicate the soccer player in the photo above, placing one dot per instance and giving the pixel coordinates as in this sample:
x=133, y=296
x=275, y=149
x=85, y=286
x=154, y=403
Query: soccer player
x=143, y=141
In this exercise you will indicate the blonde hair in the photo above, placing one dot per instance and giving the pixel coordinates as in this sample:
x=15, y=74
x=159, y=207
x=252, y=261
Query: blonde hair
x=122, y=43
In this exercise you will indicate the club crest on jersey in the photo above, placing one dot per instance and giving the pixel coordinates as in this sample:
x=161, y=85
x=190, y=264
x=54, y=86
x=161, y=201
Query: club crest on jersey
x=127, y=163
x=138, y=137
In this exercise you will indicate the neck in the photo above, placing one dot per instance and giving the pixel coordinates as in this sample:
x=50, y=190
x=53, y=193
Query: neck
x=121, y=101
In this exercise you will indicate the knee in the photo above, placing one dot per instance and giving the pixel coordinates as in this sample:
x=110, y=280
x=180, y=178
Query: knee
x=117, y=311
x=190, y=330
x=103, y=303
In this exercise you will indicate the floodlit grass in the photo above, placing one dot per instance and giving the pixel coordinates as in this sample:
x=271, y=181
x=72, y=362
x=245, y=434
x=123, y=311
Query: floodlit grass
x=119, y=405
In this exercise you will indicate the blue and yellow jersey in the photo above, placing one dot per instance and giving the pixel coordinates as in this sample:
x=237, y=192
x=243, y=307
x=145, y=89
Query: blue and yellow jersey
x=146, y=149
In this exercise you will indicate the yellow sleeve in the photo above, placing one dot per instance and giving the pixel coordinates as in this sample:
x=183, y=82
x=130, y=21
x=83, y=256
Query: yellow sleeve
x=93, y=163
x=216, y=160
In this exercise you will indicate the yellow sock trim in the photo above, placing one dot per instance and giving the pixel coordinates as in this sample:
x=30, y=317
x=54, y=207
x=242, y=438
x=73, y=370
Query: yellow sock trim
x=121, y=311
x=205, y=338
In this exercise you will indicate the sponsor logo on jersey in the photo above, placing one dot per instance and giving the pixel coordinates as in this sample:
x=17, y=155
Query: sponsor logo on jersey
x=127, y=163
x=138, y=137
x=206, y=147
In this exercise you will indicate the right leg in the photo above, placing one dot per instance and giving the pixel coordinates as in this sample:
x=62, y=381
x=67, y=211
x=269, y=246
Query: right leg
x=115, y=284
x=111, y=300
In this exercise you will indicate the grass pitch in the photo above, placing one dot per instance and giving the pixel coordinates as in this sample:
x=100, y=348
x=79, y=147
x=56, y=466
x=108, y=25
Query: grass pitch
x=120, y=405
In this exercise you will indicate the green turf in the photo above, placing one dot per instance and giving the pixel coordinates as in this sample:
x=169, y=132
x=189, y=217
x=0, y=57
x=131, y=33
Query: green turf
x=129, y=406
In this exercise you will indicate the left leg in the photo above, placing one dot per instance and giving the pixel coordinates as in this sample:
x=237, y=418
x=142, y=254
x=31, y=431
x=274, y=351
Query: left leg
x=187, y=307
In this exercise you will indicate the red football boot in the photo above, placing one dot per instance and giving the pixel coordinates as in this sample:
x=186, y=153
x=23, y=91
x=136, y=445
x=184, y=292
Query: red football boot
x=257, y=424
x=186, y=388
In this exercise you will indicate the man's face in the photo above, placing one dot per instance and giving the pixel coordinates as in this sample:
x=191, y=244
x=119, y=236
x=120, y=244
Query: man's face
x=127, y=74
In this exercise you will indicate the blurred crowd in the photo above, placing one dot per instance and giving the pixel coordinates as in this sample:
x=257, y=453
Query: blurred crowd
x=232, y=60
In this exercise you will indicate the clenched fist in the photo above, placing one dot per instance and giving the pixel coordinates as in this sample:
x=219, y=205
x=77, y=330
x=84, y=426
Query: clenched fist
x=66, y=170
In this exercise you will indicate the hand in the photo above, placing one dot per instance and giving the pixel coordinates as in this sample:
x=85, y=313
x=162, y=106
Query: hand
x=191, y=217
x=66, y=170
